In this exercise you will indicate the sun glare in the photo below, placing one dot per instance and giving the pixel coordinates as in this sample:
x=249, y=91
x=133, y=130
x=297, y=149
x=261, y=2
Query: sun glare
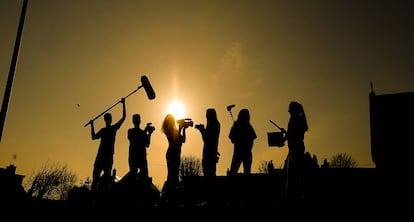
x=176, y=109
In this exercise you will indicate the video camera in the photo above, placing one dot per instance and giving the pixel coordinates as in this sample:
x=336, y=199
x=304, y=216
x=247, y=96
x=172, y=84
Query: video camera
x=185, y=123
x=149, y=127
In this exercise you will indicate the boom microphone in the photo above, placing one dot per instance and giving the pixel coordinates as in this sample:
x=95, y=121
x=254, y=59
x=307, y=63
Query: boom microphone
x=144, y=83
x=147, y=86
x=229, y=107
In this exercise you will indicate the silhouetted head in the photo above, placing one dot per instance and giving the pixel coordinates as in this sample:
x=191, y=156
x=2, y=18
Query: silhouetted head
x=168, y=124
x=244, y=116
x=296, y=108
x=108, y=118
x=211, y=115
x=136, y=119
x=296, y=111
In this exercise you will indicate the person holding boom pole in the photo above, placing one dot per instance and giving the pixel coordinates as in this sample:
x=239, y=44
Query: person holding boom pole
x=104, y=158
x=242, y=135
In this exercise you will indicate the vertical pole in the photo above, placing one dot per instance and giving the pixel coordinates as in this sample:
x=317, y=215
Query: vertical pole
x=12, y=69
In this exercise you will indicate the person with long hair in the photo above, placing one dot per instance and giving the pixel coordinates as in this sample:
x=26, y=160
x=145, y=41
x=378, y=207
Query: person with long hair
x=210, y=135
x=176, y=137
x=242, y=135
x=294, y=163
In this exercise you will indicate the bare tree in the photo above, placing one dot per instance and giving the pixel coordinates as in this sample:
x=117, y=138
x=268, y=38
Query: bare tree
x=190, y=166
x=342, y=160
x=52, y=181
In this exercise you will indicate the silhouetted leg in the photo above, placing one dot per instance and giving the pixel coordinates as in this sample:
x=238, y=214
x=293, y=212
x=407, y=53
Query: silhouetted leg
x=235, y=165
x=247, y=164
x=96, y=175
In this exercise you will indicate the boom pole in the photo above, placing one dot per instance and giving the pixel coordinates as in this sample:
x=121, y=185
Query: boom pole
x=9, y=85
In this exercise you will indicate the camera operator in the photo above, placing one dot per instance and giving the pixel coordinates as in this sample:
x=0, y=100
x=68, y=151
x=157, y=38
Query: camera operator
x=139, y=141
x=176, y=138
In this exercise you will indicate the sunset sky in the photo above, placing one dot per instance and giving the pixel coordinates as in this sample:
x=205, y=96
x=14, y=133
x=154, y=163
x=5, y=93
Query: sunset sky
x=77, y=58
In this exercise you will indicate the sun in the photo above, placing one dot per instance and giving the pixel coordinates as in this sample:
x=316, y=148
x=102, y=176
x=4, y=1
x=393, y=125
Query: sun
x=176, y=108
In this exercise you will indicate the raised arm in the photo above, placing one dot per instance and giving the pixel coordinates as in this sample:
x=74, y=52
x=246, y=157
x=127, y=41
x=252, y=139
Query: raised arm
x=119, y=123
x=183, y=135
x=202, y=130
x=149, y=129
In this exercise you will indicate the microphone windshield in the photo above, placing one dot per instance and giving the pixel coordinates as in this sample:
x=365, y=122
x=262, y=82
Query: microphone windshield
x=229, y=107
x=147, y=86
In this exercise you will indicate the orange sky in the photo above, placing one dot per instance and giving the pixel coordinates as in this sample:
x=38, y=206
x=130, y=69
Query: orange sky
x=258, y=55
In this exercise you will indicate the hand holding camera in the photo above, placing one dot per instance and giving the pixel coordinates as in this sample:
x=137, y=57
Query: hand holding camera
x=185, y=123
x=149, y=128
x=199, y=126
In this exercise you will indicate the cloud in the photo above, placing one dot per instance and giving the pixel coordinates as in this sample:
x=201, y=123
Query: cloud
x=232, y=63
x=232, y=74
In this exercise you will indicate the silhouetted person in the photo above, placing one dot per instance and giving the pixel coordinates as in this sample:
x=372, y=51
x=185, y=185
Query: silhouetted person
x=242, y=135
x=139, y=141
x=210, y=135
x=176, y=137
x=295, y=160
x=104, y=159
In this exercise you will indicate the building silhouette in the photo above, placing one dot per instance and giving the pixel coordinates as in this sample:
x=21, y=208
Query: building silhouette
x=392, y=130
x=11, y=189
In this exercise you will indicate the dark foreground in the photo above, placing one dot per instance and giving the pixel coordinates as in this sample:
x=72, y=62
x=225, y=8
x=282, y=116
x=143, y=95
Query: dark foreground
x=342, y=193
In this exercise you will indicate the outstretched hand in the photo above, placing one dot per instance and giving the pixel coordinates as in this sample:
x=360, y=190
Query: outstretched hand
x=199, y=127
